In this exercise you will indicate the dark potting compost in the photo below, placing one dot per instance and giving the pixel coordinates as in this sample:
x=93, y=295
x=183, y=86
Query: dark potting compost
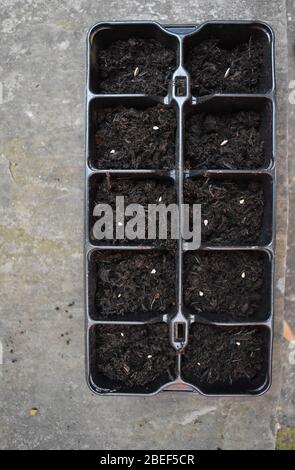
x=231, y=210
x=134, y=284
x=135, y=66
x=135, y=355
x=218, y=355
x=180, y=114
x=226, y=286
x=135, y=138
x=135, y=191
x=215, y=68
x=226, y=140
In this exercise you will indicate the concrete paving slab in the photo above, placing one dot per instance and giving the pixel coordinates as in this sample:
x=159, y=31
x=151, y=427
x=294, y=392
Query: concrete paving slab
x=286, y=415
x=41, y=207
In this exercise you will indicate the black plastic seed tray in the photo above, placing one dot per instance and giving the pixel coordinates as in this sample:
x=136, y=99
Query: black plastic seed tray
x=160, y=317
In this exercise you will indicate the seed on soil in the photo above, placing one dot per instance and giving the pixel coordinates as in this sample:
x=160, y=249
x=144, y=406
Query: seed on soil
x=149, y=356
x=136, y=72
x=224, y=142
x=243, y=275
x=126, y=369
x=157, y=296
x=238, y=343
x=206, y=222
x=156, y=128
x=153, y=271
x=113, y=151
x=227, y=73
x=201, y=293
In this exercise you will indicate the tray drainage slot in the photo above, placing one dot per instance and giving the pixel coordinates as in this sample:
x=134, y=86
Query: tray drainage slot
x=180, y=86
x=179, y=332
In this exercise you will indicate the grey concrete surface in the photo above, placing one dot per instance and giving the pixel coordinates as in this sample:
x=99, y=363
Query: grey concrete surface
x=42, y=67
x=287, y=403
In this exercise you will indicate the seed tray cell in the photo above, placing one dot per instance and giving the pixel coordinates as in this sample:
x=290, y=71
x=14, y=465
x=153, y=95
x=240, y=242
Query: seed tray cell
x=229, y=134
x=132, y=285
x=228, y=286
x=140, y=189
x=131, y=358
x=236, y=207
x=181, y=114
x=230, y=58
x=229, y=360
x=132, y=59
x=137, y=133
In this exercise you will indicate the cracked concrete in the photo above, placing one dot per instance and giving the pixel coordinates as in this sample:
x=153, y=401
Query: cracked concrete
x=41, y=271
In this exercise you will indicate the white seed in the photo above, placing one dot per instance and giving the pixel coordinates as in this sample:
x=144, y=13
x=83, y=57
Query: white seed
x=201, y=293
x=149, y=356
x=198, y=363
x=242, y=201
x=206, y=222
x=120, y=224
x=227, y=72
x=119, y=295
x=224, y=142
x=113, y=151
x=160, y=199
x=136, y=72
x=156, y=128
x=243, y=275
x=153, y=271
x=238, y=343
x=122, y=334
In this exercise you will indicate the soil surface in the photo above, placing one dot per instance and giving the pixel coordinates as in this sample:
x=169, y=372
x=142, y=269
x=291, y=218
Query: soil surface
x=231, y=210
x=136, y=66
x=128, y=138
x=135, y=355
x=134, y=284
x=226, y=285
x=217, y=69
x=136, y=191
x=223, y=355
x=224, y=141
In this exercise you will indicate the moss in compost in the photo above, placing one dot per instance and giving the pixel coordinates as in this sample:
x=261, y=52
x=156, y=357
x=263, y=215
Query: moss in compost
x=232, y=211
x=135, y=356
x=228, y=286
x=135, y=66
x=129, y=138
x=215, y=68
x=224, y=141
x=136, y=191
x=134, y=284
x=224, y=355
